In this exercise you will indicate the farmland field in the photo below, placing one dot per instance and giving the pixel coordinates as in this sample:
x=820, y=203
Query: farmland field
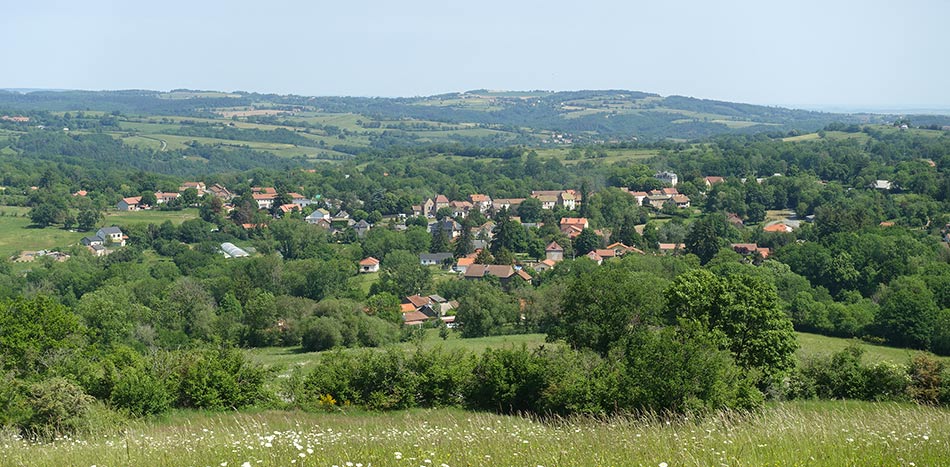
x=784, y=434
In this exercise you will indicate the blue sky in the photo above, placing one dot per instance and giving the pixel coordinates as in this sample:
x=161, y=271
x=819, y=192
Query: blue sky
x=814, y=54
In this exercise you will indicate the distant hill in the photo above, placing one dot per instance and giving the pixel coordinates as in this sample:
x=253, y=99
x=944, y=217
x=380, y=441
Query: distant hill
x=534, y=117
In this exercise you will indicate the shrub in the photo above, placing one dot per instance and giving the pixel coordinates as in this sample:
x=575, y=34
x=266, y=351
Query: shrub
x=217, y=379
x=140, y=393
x=58, y=406
x=885, y=381
x=926, y=375
x=321, y=333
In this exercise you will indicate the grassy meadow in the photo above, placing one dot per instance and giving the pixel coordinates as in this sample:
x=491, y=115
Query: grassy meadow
x=17, y=234
x=784, y=434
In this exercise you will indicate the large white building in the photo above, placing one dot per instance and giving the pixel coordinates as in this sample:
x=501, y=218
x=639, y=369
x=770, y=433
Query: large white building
x=668, y=177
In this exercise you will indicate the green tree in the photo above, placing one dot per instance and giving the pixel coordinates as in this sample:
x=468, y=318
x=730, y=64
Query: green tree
x=530, y=210
x=402, y=275
x=703, y=239
x=908, y=314
x=602, y=306
x=586, y=242
x=745, y=309
x=485, y=310
x=88, y=219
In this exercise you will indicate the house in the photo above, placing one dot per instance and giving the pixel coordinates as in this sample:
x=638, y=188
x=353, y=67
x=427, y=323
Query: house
x=81, y=193
x=232, y=251
x=506, y=203
x=98, y=250
x=288, y=208
x=92, y=240
x=219, y=191
x=572, y=231
x=463, y=263
x=112, y=235
x=504, y=272
x=481, y=202
x=415, y=318
x=620, y=249
x=554, y=252
x=710, y=181
x=362, y=227
x=449, y=227
x=682, y=201
x=198, y=186
x=369, y=264
x=595, y=257
x=550, y=199
x=580, y=222
x=427, y=208
x=440, y=202
x=882, y=185
x=435, y=259
x=734, y=219
x=299, y=199
x=778, y=227
x=460, y=208
x=639, y=195
x=606, y=253
x=667, y=177
x=162, y=197
x=545, y=265
x=671, y=247
x=264, y=200
x=129, y=204
x=747, y=249
x=317, y=215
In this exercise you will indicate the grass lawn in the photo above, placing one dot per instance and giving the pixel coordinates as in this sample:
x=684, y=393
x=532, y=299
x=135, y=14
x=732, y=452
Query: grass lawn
x=786, y=434
x=815, y=344
x=16, y=235
x=148, y=217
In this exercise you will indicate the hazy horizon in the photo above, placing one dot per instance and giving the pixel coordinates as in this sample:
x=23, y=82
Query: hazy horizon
x=813, y=55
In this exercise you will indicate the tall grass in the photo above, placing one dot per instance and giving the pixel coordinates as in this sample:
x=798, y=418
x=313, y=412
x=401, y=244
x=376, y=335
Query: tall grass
x=786, y=434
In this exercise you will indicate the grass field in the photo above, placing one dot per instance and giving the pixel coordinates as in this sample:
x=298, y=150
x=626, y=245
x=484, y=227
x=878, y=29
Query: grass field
x=17, y=235
x=613, y=155
x=786, y=434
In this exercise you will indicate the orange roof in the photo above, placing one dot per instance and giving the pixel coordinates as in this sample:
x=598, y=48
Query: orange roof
x=887, y=224
x=289, y=207
x=370, y=261
x=554, y=247
x=441, y=199
x=418, y=300
x=712, y=180
x=262, y=196
x=573, y=220
x=414, y=317
x=407, y=307
x=81, y=193
x=780, y=227
x=549, y=262
x=466, y=261
x=132, y=200
x=671, y=246
x=478, y=198
x=605, y=252
x=594, y=256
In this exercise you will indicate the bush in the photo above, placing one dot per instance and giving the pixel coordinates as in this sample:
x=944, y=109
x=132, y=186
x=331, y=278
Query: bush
x=217, y=379
x=926, y=375
x=140, y=393
x=57, y=406
x=321, y=333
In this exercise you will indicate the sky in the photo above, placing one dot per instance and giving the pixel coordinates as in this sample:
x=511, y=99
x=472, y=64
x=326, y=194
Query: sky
x=818, y=54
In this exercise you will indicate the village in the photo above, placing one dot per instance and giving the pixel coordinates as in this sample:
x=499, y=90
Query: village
x=443, y=217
